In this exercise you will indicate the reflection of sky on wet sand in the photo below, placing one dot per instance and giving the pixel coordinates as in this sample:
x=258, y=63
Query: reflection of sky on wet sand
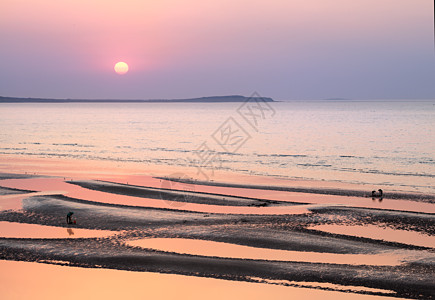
x=14, y=201
x=25, y=280
x=122, y=172
x=312, y=198
x=375, y=232
x=326, y=285
x=51, y=185
x=219, y=249
x=21, y=230
x=316, y=198
x=74, y=191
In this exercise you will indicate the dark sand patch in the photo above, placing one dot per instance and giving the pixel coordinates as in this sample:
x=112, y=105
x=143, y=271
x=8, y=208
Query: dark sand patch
x=11, y=191
x=189, y=196
x=227, y=250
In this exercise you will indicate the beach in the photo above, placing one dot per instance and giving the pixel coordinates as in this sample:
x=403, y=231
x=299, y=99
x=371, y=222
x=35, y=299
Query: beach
x=303, y=238
x=222, y=150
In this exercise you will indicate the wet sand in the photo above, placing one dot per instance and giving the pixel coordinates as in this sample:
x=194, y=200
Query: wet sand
x=227, y=250
x=282, y=239
x=385, y=234
x=35, y=231
x=97, y=283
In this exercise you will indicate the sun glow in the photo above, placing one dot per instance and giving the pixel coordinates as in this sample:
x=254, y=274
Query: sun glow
x=121, y=68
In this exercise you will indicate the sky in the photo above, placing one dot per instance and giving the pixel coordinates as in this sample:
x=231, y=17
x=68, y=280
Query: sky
x=284, y=49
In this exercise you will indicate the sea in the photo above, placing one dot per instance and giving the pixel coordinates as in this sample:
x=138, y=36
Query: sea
x=380, y=143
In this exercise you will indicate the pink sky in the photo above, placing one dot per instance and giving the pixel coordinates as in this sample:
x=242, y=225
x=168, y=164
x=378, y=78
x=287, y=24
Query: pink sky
x=286, y=49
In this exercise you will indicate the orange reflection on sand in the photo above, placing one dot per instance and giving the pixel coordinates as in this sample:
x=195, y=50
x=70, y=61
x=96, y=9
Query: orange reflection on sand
x=36, y=231
x=15, y=201
x=44, y=281
x=219, y=249
x=378, y=233
x=111, y=171
x=326, y=285
x=311, y=198
x=74, y=191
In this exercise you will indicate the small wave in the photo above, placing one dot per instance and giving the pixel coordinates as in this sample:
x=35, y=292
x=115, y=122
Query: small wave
x=32, y=143
x=314, y=165
x=73, y=144
x=230, y=153
x=60, y=144
x=281, y=155
x=17, y=149
x=429, y=162
x=167, y=150
x=397, y=174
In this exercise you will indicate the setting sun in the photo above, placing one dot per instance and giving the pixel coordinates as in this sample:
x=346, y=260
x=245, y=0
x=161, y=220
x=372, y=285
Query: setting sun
x=121, y=68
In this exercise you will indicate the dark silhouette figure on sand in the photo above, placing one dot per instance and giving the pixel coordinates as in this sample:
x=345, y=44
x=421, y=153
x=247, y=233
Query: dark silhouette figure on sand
x=379, y=194
x=68, y=218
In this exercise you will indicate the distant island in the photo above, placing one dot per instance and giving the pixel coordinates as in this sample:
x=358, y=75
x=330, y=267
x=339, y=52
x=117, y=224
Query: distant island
x=212, y=99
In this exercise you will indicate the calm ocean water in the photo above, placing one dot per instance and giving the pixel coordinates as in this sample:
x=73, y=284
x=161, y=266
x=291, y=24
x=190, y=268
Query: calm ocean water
x=376, y=142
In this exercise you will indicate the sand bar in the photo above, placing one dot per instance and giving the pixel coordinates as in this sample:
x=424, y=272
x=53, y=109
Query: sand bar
x=219, y=249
